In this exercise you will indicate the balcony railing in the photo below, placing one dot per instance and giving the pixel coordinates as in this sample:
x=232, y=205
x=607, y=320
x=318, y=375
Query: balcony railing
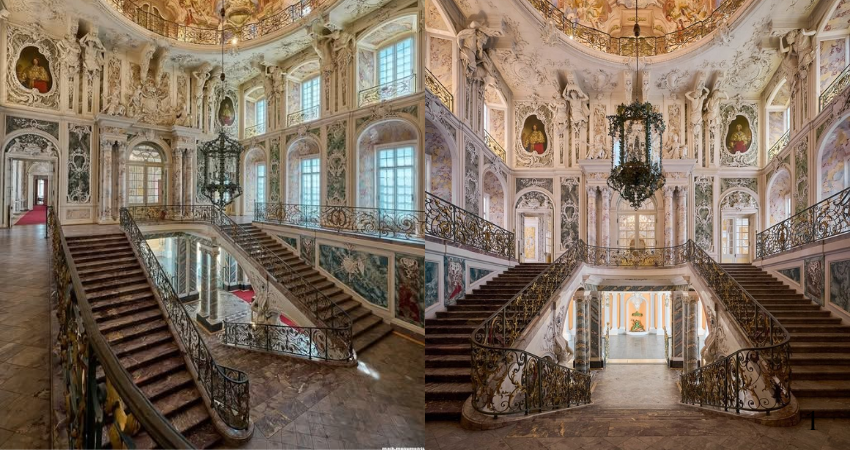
x=836, y=87
x=186, y=32
x=777, y=146
x=494, y=145
x=94, y=403
x=435, y=87
x=648, y=45
x=444, y=220
x=304, y=115
x=255, y=130
x=387, y=91
x=393, y=223
x=303, y=342
x=829, y=218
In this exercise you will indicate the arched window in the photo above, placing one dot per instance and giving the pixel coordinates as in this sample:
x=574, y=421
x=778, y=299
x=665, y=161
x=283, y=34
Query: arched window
x=636, y=228
x=386, y=167
x=386, y=61
x=255, y=112
x=303, y=99
x=146, y=175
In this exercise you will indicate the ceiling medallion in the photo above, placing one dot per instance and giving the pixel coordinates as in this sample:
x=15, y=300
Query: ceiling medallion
x=218, y=166
x=636, y=133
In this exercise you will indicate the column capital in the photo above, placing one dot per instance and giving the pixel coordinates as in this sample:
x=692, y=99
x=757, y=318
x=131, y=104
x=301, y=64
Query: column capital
x=591, y=191
x=668, y=191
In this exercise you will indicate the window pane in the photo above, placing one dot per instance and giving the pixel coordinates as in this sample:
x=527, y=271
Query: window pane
x=135, y=185
x=154, y=180
x=396, y=178
x=310, y=182
x=310, y=94
x=261, y=183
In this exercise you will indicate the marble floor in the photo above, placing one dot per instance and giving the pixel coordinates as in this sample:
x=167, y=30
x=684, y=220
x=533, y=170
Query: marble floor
x=24, y=338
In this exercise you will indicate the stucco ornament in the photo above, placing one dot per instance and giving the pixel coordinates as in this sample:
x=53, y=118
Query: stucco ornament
x=476, y=61
x=17, y=40
x=798, y=55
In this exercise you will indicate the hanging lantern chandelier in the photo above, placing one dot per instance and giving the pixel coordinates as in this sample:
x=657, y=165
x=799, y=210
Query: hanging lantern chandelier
x=636, y=136
x=218, y=165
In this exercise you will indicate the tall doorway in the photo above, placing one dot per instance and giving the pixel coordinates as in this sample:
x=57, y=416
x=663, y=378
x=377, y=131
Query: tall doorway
x=40, y=182
x=536, y=238
x=736, y=238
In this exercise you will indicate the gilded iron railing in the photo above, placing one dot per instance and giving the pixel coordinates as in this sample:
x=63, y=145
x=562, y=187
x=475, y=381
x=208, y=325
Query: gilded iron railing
x=387, y=91
x=433, y=85
x=829, y=218
x=305, y=342
x=227, y=388
x=509, y=381
x=777, y=146
x=836, y=87
x=304, y=115
x=443, y=220
x=255, y=130
x=506, y=380
x=648, y=45
x=333, y=320
x=495, y=146
x=185, y=32
x=106, y=409
x=394, y=223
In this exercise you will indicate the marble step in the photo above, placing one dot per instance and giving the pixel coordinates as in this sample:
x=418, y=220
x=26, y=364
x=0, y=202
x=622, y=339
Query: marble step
x=457, y=361
x=447, y=375
x=448, y=391
x=443, y=410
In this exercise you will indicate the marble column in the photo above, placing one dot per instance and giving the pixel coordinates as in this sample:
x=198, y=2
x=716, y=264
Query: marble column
x=605, y=218
x=214, y=270
x=668, y=216
x=105, y=210
x=582, y=350
x=181, y=267
x=682, y=215
x=204, y=310
x=176, y=197
x=189, y=164
x=691, y=338
x=650, y=323
x=677, y=332
x=192, y=269
x=122, y=176
x=591, y=216
x=596, y=330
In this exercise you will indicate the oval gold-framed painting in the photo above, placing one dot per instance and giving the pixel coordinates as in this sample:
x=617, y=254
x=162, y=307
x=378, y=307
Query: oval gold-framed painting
x=226, y=112
x=33, y=70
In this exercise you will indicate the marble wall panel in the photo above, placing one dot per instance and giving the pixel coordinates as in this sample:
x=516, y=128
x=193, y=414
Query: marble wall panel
x=455, y=282
x=365, y=273
x=432, y=283
x=792, y=273
x=832, y=60
x=836, y=153
x=409, y=288
x=839, y=284
x=570, y=212
x=814, y=278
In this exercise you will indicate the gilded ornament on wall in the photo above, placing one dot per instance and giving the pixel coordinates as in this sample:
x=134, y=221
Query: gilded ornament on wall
x=226, y=112
x=534, y=136
x=739, y=137
x=33, y=70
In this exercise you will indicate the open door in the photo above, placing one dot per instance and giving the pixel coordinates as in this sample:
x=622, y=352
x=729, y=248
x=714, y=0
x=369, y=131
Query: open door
x=736, y=239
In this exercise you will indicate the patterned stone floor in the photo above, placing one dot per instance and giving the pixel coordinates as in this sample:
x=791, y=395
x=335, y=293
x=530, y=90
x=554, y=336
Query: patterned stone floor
x=636, y=407
x=24, y=337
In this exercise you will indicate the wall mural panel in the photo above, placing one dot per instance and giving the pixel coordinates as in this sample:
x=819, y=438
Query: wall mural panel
x=409, y=292
x=533, y=131
x=801, y=175
x=308, y=249
x=836, y=150
x=31, y=145
x=79, y=164
x=274, y=170
x=432, y=283
x=471, y=180
x=454, y=283
x=336, y=165
x=792, y=273
x=365, y=273
x=476, y=274
x=19, y=123
x=731, y=183
x=815, y=278
x=780, y=189
x=570, y=212
x=839, y=284
x=542, y=183
x=441, y=162
x=832, y=60
x=493, y=187
x=740, y=143
x=704, y=212
x=738, y=200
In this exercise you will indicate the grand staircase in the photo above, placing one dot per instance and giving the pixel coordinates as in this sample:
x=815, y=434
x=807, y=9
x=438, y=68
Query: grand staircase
x=447, y=347
x=820, y=345
x=131, y=321
x=366, y=329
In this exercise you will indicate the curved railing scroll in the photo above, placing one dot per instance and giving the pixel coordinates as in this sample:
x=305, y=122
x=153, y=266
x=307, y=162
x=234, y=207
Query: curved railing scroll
x=444, y=220
x=114, y=409
x=226, y=388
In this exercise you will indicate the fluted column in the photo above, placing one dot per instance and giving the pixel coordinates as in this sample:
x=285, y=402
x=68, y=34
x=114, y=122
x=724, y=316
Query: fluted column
x=682, y=213
x=668, y=216
x=691, y=337
x=605, y=219
x=176, y=197
x=582, y=352
x=591, y=216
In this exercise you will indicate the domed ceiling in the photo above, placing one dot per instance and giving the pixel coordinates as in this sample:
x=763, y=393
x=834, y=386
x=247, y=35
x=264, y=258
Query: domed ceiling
x=656, y=17
x=207, y=13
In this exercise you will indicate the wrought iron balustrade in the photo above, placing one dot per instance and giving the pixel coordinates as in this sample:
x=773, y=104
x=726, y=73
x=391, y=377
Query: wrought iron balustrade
x=836, y=87
x=306, y=342
x=633, y=257
x=333, y=320
x=433, y=85
x=648, y=45
x=443, y=220
x=387, y=91
x=97, y=413
x=495, y=146
x=226, y=387
x=255, y=130
x=395, y=223
x=304, y=115
x=778, y=146
x=186, y=32
x=829, y=218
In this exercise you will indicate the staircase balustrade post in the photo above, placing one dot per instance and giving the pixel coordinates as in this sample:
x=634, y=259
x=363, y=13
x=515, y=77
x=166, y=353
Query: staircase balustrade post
x=726, y=384
x=737, y=383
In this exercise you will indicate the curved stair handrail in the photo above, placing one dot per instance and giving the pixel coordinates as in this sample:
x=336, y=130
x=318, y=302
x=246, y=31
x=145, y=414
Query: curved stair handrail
x=338, y=324
x=828, y=218
x=82, y=349
x=506, y=380
x=227, y=388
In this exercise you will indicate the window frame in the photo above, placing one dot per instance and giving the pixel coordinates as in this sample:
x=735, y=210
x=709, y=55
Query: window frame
x=623, y=213
x=146, y=167
x=318, y=92
x=392, y=43
x=414, y=185
x=318, y=182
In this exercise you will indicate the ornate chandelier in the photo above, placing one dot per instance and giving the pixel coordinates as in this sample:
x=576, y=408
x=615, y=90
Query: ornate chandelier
x=218, y=165
x=636, y=137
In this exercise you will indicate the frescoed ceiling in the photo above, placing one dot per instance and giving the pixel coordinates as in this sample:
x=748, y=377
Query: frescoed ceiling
x=656, y=17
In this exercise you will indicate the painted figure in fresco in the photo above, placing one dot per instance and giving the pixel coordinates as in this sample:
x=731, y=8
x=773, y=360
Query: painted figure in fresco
x=637, y=326
x=739, y=141
x=35, y=77
x=225, y=113
x=535, y=141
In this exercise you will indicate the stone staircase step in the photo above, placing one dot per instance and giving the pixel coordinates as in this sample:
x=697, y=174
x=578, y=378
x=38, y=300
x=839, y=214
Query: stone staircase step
x=443, y=410
x=146, y=341
x=816, y=328
x=814, y=359
x=836, y=407
x=168, y=384
x=365, y=324
x=447, y=375
x=819, y=373
x=447, y=349
x=369, y=338
x=124, y=310
x=819, y=337
x=149, y=356
x=447, y=391
x=149, y=374
x=781, y=314
x=446, y=338
x=135, y=331
x=819, y=347
x=106, y=275
x=448, y=361
x=120, y=323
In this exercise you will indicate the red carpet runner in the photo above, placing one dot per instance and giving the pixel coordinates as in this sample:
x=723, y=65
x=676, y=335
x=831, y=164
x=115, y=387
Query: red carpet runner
x=248, y=296
x=37, y=215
